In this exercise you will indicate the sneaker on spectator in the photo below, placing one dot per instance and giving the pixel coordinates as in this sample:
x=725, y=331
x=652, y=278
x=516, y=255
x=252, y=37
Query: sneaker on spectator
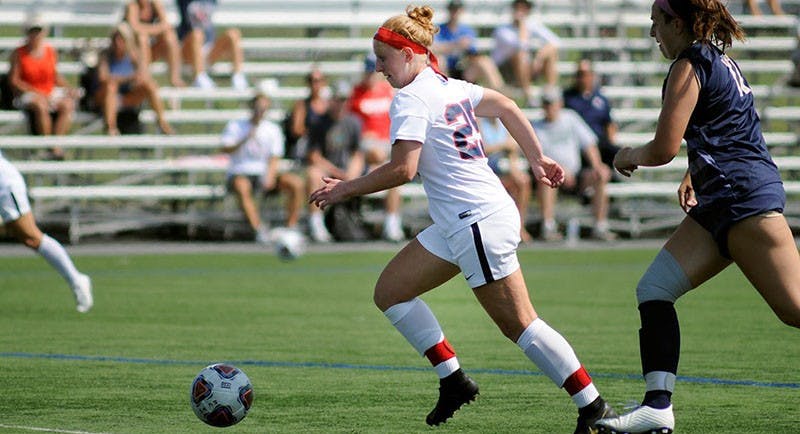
x=532, y=101
x=602, y=232
x=550, y=231
x=317, y=230
x=603, y=235
x=393, y=229
x=239, y=82
x=263, y=236
x=203, y=81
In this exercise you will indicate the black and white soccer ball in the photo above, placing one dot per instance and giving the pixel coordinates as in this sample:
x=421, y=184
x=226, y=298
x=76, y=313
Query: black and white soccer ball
x=221, y=395
x=289, y=243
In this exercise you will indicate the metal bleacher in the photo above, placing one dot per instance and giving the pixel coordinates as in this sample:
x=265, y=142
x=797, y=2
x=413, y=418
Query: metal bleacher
x=114, y=184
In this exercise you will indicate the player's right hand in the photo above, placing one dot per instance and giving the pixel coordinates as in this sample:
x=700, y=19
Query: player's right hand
x=686, y=196
x=326, y=195
x=548, y=172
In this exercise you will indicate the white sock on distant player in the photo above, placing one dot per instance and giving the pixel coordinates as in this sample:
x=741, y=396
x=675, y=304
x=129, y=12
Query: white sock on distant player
x=415, y=321
x=54, y=253
x=555, y=357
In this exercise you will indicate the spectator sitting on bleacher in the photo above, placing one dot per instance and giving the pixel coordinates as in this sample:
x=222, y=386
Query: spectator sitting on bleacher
x=155, y=35
x=370, y=101
x=123, y=81
x=525, y=49
x=456, y=43
x=586, y=98
x=503, y=153
x=794, y=78
x=308, y=122
x=256, y=147
x=564, y=136
x=203, y=47
x=774, y=6
x=38, y=87
x=339, y=156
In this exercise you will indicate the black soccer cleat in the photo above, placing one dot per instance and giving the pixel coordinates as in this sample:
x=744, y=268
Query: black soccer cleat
x=589, y=415
x=455, y=390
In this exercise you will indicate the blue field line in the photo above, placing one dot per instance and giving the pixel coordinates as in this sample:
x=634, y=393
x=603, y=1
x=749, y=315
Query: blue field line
x=277, y=364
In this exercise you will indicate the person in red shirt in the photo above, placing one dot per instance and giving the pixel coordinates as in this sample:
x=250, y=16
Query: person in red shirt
x=370, y=101
x=37, y=85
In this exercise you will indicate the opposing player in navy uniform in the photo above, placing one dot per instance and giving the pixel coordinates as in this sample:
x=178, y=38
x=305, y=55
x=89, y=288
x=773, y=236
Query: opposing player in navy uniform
x=476, y=225
x=732, y=193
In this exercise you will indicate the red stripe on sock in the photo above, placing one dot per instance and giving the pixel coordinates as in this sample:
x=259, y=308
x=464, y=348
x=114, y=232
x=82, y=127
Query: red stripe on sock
x=440, y=352
x=577, y=381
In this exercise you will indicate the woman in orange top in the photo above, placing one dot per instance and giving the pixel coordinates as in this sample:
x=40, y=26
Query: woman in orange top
x=38, y=86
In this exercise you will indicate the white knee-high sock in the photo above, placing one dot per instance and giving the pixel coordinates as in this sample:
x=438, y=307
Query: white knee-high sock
x=555, y=357
x=415, y=321
x=52, y=251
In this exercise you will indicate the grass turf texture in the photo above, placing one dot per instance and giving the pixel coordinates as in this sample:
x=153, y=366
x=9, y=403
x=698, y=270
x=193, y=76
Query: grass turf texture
x=322, y=359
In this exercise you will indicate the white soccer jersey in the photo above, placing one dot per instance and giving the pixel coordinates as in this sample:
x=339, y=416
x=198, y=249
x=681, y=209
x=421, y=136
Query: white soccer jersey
x=9, y=174
x=460, y=186
x=251, y=158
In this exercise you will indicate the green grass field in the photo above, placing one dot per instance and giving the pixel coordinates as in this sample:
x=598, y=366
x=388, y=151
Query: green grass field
x=323, y=359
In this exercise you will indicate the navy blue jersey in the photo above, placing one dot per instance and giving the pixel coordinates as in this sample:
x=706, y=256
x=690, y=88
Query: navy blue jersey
x=728, y=158
x=594, y=108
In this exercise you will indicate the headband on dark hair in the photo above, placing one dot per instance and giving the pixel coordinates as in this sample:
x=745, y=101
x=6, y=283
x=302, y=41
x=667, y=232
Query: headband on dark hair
x=396, y=40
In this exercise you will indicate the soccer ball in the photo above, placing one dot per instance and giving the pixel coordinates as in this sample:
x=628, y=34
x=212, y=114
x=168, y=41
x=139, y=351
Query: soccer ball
x=289, y=244
x=221, y=395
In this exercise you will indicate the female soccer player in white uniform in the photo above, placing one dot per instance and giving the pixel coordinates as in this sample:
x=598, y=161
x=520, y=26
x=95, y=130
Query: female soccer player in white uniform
x=15, y=213
x=476, y=225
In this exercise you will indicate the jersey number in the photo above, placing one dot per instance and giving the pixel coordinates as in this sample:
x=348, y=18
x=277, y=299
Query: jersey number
x=741, y=86
x=466, y=137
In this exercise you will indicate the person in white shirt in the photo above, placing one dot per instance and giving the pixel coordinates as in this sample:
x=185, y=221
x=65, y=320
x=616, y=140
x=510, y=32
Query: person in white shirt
x=256, y=146
x=526, y=49
x=16, y=215
x=566, y=137
x=476, y=225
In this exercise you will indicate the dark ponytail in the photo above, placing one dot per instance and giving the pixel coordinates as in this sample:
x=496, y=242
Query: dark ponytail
x=709, y=20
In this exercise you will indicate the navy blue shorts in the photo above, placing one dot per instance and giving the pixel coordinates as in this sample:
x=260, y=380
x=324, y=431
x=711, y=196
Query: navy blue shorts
x=718, y=219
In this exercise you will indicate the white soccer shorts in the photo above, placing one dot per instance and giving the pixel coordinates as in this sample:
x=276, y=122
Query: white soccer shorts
x=13, y=193
x=484, y=251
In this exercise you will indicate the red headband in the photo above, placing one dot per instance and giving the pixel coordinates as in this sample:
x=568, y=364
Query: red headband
x=399, y=41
